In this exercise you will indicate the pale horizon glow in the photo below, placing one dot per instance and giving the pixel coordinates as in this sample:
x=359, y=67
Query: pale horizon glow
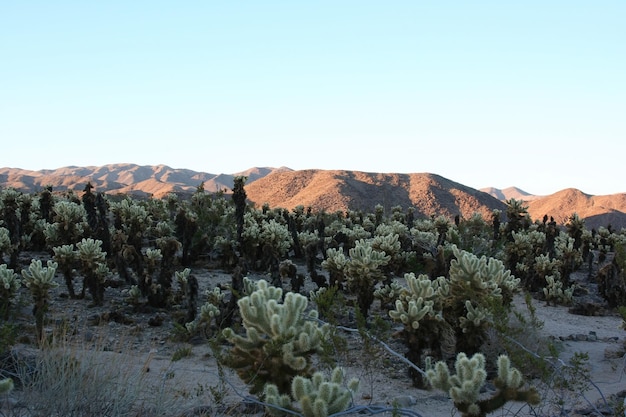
x=487, y=93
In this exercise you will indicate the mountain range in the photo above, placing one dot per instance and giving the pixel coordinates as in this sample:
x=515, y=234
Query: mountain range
x=329, y=190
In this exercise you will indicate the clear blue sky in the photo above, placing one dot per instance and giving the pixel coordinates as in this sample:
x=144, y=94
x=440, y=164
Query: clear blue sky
x=486, y=93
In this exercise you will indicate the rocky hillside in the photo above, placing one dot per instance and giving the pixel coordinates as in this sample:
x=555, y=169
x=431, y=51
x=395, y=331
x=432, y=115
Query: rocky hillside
x=142, y=180
x=430, y=194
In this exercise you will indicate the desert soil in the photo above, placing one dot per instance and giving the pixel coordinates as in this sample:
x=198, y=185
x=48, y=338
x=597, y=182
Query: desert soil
x=194, y=385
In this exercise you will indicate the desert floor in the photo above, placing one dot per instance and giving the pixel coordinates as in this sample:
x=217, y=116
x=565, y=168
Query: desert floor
x=196, y=386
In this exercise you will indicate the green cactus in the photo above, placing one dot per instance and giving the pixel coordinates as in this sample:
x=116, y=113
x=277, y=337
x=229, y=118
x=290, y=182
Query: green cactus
x=93, y=267
x=476, y=285
x=70, y=223
x=65, y=256
x=9, y=284
x=363, y=273
x=335, y=263
x=465, y=386
x=315, y=397
x=554, y=292
x=39, y=280
x=280, y=338
x=419, y=308
x=5, y=242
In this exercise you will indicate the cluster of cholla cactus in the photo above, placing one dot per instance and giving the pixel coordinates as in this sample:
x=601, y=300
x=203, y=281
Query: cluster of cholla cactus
x=279, y=341
x=317, y=396
x=452, y=313
x=466, y=385
x=68, y=226
x=419, y=307
x=40, y=279
x=477, y=285
x=361, y=271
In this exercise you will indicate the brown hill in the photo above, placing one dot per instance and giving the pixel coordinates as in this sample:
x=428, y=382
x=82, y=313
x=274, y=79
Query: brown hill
x=342, y=190
x=430, y=194
x=158, y=180
x=595, y=210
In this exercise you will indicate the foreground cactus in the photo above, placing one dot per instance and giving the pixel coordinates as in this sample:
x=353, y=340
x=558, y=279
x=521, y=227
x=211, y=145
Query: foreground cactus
x=94, y=268
x=465, y=386
x=316, y=396
x=39, y=280
x=279, y=341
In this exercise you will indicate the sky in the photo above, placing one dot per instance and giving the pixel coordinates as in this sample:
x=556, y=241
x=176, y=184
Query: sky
x=529, y=94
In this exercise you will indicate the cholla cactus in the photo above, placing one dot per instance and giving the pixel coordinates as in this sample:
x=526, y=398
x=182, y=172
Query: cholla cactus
x=93, y=266
x=363, y=273
x=465, y=386
x=9, y=284
x=39, y=280
x=475, y=285
x=554, y=292
x=279, y=341
x=335, y=263
x=5, y=241
x=209, y=312
x=391, y=246
x=388, y=294
x=65, y=256
x=277, y=236
x=70, y=222
x=315, y=397
x=419, y=308
x=422, y=297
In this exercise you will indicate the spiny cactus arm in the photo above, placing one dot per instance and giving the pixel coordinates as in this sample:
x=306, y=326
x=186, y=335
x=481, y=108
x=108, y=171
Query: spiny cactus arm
x=335, y=260
x=9, y=282
x=278, y=403
x=259, y=308
x=411, y=312
x=475, y=317
x=420, y=286
x=64, y=254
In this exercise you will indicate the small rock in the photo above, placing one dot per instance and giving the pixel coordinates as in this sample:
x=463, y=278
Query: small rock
x=404, y=401
x=592, y=336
